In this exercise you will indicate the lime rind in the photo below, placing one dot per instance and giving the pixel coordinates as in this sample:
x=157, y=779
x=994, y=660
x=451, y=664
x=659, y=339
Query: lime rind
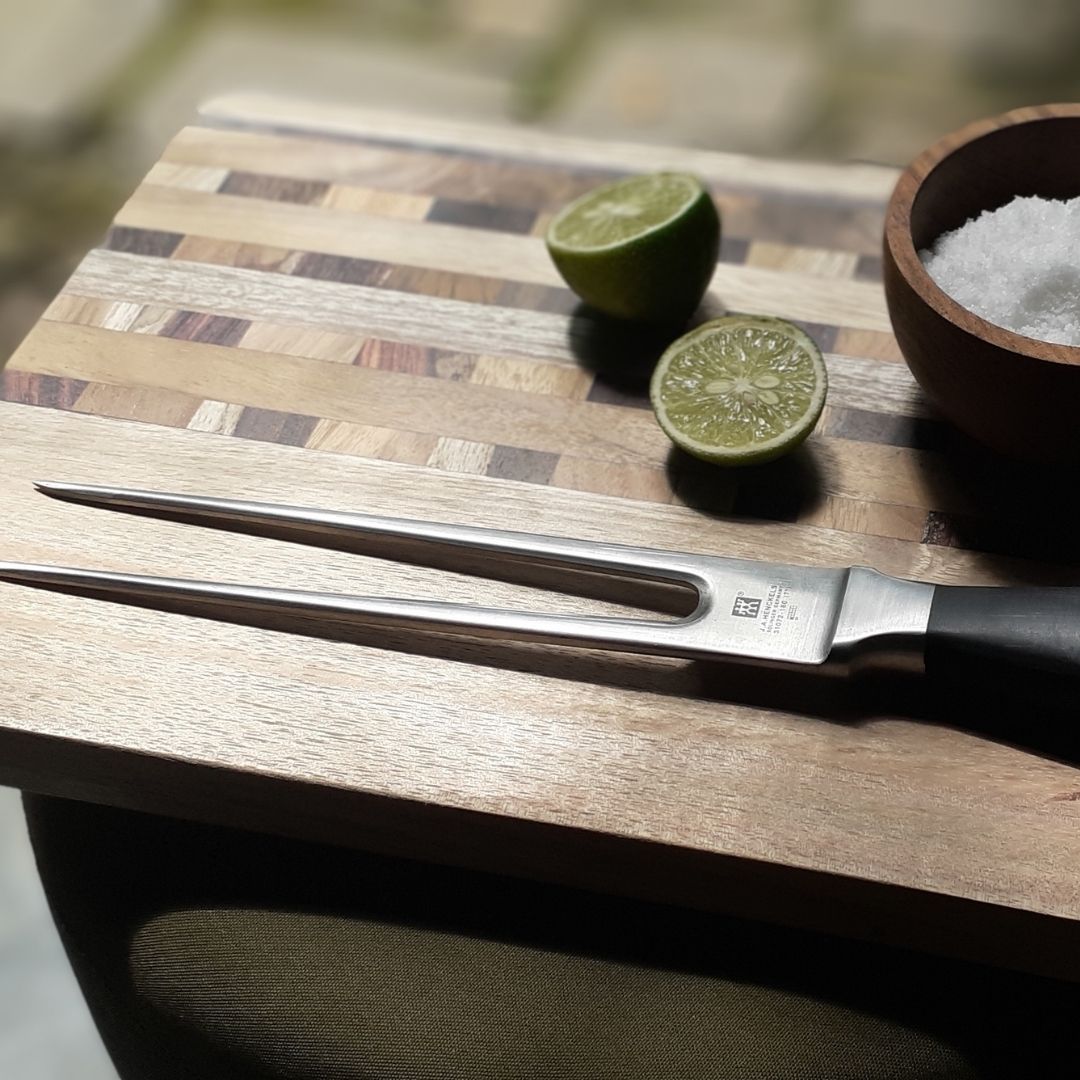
x=642, y=249
x=740, y=390
x=623, y=211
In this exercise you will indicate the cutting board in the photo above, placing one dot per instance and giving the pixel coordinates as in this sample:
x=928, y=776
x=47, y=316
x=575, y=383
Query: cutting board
x=342, y=309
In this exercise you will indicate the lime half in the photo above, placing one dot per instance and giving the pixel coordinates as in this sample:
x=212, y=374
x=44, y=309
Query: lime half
x=643, y=248
x=740, y=390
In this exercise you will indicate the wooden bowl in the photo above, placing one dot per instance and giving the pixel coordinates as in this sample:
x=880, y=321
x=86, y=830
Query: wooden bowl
x=1013, y=393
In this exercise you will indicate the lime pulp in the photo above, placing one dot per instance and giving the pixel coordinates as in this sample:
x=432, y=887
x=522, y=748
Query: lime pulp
x=740, y=390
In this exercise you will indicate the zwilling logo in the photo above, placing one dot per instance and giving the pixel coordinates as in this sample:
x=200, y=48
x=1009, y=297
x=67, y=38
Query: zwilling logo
x=746, y=607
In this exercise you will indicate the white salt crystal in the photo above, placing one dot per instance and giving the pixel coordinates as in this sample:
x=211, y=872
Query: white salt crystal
x=1017, y=267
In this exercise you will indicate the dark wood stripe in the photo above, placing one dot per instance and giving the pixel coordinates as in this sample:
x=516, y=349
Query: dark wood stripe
x=396, y=356
x=530, y=466
x=142, y=241
x=918, y=433
x=422, y=281
x=824, y=336
x=277, y=188
x=348, y=271
x=477, y=215
x=268, y=425
x=811, y=221
x=733, y=249
x=48, y=391
x=529, y=177
x=551, y=299
x=208, y=329
x=869, y=268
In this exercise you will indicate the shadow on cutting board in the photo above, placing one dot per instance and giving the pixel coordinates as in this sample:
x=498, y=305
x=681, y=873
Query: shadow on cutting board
x=621, y=355
x=1013, y=516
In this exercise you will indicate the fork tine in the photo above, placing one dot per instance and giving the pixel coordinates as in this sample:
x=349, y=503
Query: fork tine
x=320, y=527
x=240, y=603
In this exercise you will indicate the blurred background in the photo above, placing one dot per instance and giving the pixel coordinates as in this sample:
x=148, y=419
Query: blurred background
x=90, y=90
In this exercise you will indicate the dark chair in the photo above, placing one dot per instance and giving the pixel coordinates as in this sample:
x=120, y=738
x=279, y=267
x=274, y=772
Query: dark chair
x=206, y=952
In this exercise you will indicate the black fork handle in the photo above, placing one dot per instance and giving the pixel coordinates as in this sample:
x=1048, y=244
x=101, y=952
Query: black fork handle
x=1026, y=639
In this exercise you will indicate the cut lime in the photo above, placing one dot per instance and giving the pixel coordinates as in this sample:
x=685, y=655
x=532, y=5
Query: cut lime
x=740, y=390
x=643, y=248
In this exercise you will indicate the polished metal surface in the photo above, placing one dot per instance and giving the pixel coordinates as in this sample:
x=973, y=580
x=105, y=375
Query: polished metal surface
x=756, y=610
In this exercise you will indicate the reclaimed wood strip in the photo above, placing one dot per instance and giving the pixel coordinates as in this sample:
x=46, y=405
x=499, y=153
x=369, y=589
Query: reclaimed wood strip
x=869, y=518
x=479, y=215
x=532, y=377
x=850, y=182
x=393, y=204
x=819, y=262
x=835, y=225
x=527, y=466
x=274, y=426
x=356, y=394
x=193, y=177
x=367, y=311
x=762, y=215
x=147, y=404
x=854, y=382
x=275, y=188
x=461, y=456
x=641, y=483
x=216, y=417
x=209, y=329
x=45, y=391
x=271, y=337
x=364, y=440
x=396, y=356
x=80, y=310
x=473, y=251
x=408, y=173
x=869, y=267
x=157, y=242
x=870, y=344
x=236, y=253
x=919, y=433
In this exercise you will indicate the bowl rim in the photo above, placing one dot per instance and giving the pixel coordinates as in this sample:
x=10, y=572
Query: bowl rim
x=901, y=245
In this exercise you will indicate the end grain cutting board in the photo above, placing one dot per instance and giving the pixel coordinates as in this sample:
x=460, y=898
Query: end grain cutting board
x=346, y=310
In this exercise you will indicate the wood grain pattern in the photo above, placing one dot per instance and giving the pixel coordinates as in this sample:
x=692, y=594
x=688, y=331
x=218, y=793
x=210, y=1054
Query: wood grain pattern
x=377, y=302
x=1027, y=390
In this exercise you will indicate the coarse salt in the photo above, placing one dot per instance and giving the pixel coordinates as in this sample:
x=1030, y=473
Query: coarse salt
x=1017, y=267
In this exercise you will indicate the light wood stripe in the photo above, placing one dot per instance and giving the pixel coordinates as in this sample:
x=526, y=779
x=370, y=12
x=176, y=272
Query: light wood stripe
x=355, y=394
x=217, y=417
x=648, y=484
x=190, y=177
x=359, y=311
x=392, y=204
x=871, y=518
x=482, y=252
x=344, y=309
x=301, y=341
x=594, y=432
x=817, y=262
x=363, y=440
x=869, y=182
x=461, y=456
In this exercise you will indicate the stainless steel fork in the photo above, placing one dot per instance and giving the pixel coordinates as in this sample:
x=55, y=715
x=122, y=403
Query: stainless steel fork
x=744, y=608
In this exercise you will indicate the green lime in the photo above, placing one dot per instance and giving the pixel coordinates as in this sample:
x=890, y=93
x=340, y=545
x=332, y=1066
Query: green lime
x=643, y=248
x=740, y=390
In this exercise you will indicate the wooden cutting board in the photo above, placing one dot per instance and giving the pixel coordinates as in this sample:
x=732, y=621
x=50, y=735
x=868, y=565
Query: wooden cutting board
x=337, y=308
